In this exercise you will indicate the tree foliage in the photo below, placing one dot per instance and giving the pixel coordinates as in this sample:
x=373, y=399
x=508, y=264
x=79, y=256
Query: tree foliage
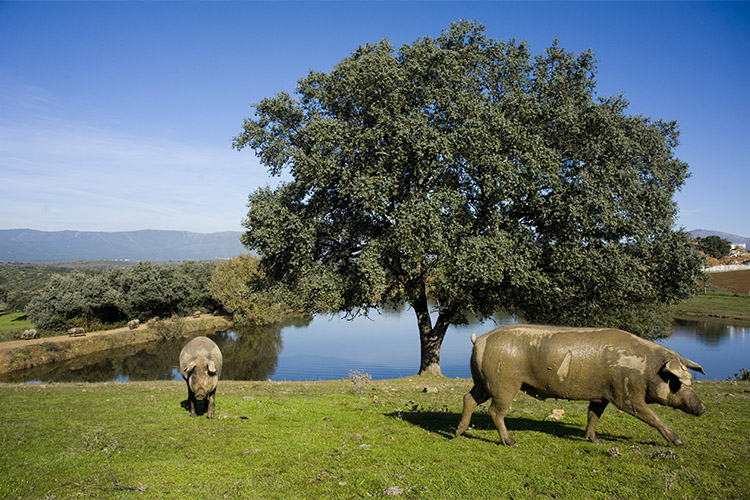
x=240, y=286
x=463, y=174
x=76, y=299
x=158, y=290
x=144, y=290
x=19, y=283
x=715, y=246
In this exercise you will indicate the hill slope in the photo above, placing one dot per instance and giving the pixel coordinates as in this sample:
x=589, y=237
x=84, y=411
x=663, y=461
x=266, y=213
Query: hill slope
x=732, y=238
x=28, y=245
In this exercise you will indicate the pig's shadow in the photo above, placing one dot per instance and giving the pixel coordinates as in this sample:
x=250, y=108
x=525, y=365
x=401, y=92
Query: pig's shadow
x=444, y=424
x=201, y=406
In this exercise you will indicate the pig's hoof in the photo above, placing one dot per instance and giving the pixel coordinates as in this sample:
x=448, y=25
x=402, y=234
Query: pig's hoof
x=593, y=439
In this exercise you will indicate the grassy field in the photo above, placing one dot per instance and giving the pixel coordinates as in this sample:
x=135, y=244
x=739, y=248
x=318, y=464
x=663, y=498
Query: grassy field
x=737, y=282
x=12, y=324
x=355, y=439
x=728, y=297
x=716, y=304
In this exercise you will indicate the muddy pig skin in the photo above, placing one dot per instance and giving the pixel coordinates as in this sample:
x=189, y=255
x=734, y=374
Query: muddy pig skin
x=599, y=365
x=200, y=366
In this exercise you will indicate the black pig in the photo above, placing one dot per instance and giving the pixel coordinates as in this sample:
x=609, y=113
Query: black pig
x=200, y=366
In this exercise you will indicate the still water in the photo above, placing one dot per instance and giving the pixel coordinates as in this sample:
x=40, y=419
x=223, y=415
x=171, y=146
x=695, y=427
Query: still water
x=385, y=345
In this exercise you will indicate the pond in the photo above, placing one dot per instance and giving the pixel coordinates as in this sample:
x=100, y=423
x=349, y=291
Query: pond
x=385, y=345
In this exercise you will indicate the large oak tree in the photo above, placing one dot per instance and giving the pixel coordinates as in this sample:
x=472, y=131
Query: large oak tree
x=463, y=175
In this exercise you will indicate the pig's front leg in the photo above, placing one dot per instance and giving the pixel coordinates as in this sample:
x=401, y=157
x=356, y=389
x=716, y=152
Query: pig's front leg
x=646, y=414
x=211, y=404
x=191, y=402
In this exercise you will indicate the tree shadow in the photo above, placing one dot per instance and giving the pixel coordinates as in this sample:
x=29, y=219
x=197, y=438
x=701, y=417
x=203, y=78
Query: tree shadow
x=19, y=319
x=445, y=423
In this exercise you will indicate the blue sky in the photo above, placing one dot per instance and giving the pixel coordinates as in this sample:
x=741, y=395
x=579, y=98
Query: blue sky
x=119, y=116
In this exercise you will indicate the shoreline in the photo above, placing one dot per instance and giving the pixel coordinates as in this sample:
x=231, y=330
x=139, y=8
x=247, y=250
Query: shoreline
x=16, y=355
x=677, y=314
x=24, y=354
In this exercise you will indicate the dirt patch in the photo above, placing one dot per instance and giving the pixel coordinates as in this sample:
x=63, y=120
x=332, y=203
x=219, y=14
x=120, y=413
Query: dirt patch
x=732, y=281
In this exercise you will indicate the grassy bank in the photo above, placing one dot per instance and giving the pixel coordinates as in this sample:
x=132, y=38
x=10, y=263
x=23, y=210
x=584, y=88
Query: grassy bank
x=24, y=354
x=354, y=439
x=723, y=305
x=727, y=297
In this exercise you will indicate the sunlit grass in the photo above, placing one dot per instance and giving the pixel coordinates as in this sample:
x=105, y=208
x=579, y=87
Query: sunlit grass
x=716, y=304
x=728, y=296
x=342, y=440
x=12, y=324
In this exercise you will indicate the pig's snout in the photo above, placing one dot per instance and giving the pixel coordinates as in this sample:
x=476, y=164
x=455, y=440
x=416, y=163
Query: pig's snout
x=693, y=406
x=699, y=410
x=200, y=386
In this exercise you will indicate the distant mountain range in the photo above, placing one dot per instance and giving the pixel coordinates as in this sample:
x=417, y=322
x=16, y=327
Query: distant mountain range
x=732, y=238
x=28, y=245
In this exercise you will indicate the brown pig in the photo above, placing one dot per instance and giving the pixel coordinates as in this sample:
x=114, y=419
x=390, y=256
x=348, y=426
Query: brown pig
x=600, y=365
x=200, y=366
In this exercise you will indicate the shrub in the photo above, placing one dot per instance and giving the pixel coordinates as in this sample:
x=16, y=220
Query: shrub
x=76, y=299
x=240, y=286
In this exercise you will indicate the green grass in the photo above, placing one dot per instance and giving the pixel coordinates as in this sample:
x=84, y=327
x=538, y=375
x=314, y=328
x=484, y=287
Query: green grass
x=716, y=304
x=728, y=297
x=354, y=439
x=12, y=324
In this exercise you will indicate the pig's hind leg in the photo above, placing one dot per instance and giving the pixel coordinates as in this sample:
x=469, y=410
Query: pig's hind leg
x=476, y=396
x=500, y=405
x=596, y=408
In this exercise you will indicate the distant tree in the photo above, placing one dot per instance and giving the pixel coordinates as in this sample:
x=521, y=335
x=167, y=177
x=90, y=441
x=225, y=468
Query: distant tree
x=148, y=290
x=23, y=282
x=193, y=280
x=462, y=175
x=715, y=246
x=95, y=298
x=240, y=286
x=76, y=299
x=163, y=290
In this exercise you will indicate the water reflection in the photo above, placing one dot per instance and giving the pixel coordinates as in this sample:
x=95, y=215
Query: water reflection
x=707, y=331
x=384, y=345
x=721, y=347
x=249, y=354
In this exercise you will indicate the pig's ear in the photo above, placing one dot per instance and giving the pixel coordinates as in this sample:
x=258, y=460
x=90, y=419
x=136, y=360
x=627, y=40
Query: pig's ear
x=675, y=368
x=693, y=365
x=211, y=368
x=189, y=369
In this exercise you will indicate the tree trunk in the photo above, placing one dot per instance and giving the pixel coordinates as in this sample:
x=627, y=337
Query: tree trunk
x=430, y=338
